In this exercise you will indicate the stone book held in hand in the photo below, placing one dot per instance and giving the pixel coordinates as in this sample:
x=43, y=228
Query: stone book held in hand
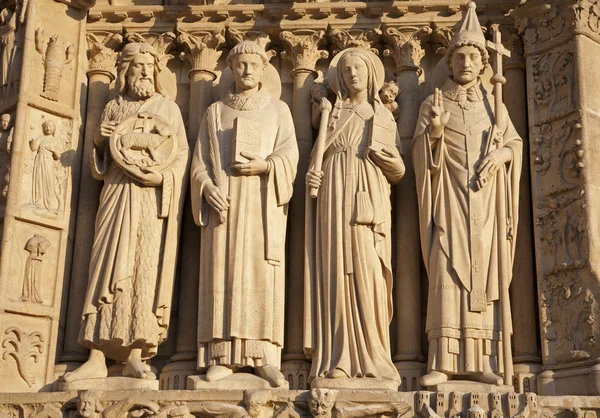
x=246, y=138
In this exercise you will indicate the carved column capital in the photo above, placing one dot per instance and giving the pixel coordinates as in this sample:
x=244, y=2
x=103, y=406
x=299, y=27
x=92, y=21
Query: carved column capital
x=344, y=39
x=302, y=48
x=544, y=23
x=203, y=49
x=514, y=44
x=259, y=37
x=404, y=45
x=102, y=57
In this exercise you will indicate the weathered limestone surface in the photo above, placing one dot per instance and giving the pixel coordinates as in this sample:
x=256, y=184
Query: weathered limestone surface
x=58, y=72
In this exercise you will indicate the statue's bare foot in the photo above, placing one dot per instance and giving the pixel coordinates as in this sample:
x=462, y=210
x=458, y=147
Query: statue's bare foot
x=488, y=377
x=336, y=374
x=94, y=368
x=135, y=367
x=433, y=378
x=271, y=374
x=217, y=372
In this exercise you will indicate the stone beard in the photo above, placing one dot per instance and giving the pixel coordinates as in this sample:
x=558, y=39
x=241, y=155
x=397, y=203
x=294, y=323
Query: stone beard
x=455, y=217
x=131, y=273
x=242, y=260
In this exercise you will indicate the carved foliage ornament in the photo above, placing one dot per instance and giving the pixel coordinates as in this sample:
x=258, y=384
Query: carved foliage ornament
x=569, y=314
x=102, y=54
x=203, y=49
x=343, y=39
x=303, y=48
x=405, y=47
x=553, y=83
x=22, y=346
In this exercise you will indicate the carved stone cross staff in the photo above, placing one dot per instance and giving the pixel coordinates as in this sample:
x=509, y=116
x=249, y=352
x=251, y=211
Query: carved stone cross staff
x=497, y=50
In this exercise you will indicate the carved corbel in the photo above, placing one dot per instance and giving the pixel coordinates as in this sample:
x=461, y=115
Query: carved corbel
x=302, y=49
x=261, y=38
x=405, y=47
x=343, y=39
x=102, y=54
x=202, y=49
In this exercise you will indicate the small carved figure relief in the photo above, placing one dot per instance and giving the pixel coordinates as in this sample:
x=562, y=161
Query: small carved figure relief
x=22, y=346
x=388, y=94
x=242, y=180
x=132, y=268
x=45, y=192
x=89, y=405
x=323, y=404
x=467, y=161
x=54, y=58
x=36, y=247
x=6, y=139
x=350, y=254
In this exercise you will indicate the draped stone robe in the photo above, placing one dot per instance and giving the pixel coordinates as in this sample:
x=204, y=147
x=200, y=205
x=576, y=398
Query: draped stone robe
x=242, y=260
x=134, y=255
x=463, y=238
x=348, y=272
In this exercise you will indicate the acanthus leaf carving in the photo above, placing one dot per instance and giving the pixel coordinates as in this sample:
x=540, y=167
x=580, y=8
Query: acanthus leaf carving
x=343, y=39
x=261, y=38
x=303, y=49
x=203, y=49
x=22, y=346
x=102, y=54
x=405, y=47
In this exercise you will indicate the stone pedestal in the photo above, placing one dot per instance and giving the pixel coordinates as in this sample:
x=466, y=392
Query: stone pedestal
x=109, y=383
x=236, y=381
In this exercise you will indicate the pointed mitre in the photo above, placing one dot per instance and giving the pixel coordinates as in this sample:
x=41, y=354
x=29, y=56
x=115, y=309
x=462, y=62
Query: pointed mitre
x=470, y=29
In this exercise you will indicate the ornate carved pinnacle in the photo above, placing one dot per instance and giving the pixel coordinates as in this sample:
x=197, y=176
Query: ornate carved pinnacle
x=343, y=39
x=101, y=53
x=405, y=47
x=259, y=37
x=203, y=49
x=302, y=49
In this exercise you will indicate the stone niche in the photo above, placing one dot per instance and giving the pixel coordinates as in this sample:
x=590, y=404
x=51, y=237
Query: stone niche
x=59, y=71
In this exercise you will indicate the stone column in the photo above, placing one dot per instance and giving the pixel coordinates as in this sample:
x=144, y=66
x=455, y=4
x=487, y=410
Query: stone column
x=526, y=357
x=405, y=47
x=101, y=72
x=203, y=52
x=562, y=50
x=303, y=50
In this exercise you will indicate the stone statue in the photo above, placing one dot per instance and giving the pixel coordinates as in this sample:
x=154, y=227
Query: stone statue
x=348, y=301
x=388, y=94
x=6, y=139
x=467, y=177
x=45, y=191
x=242, y=174
x=132, y=267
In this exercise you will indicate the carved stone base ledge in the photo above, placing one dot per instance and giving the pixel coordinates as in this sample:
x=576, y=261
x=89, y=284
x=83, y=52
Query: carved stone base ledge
x=236, y=381
x=354, y=384
x=283, y=403
x=468, y=387
x=576, y=380
x=109, y=383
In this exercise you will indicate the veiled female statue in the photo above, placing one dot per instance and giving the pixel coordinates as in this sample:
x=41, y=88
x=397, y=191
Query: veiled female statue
x=348, y=305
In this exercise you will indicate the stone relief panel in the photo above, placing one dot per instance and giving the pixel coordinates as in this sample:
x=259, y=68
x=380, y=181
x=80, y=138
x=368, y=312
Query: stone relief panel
x=35, y=268
x=36, y=247
x=23, y=348
x=47, y=170
x=55, y=56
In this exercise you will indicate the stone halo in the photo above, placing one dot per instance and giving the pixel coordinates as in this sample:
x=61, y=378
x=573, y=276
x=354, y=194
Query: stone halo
x=270, y=80
x=332, y=71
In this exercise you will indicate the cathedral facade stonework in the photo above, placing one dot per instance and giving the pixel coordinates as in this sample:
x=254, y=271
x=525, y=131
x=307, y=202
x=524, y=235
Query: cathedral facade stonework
x=270, y=208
